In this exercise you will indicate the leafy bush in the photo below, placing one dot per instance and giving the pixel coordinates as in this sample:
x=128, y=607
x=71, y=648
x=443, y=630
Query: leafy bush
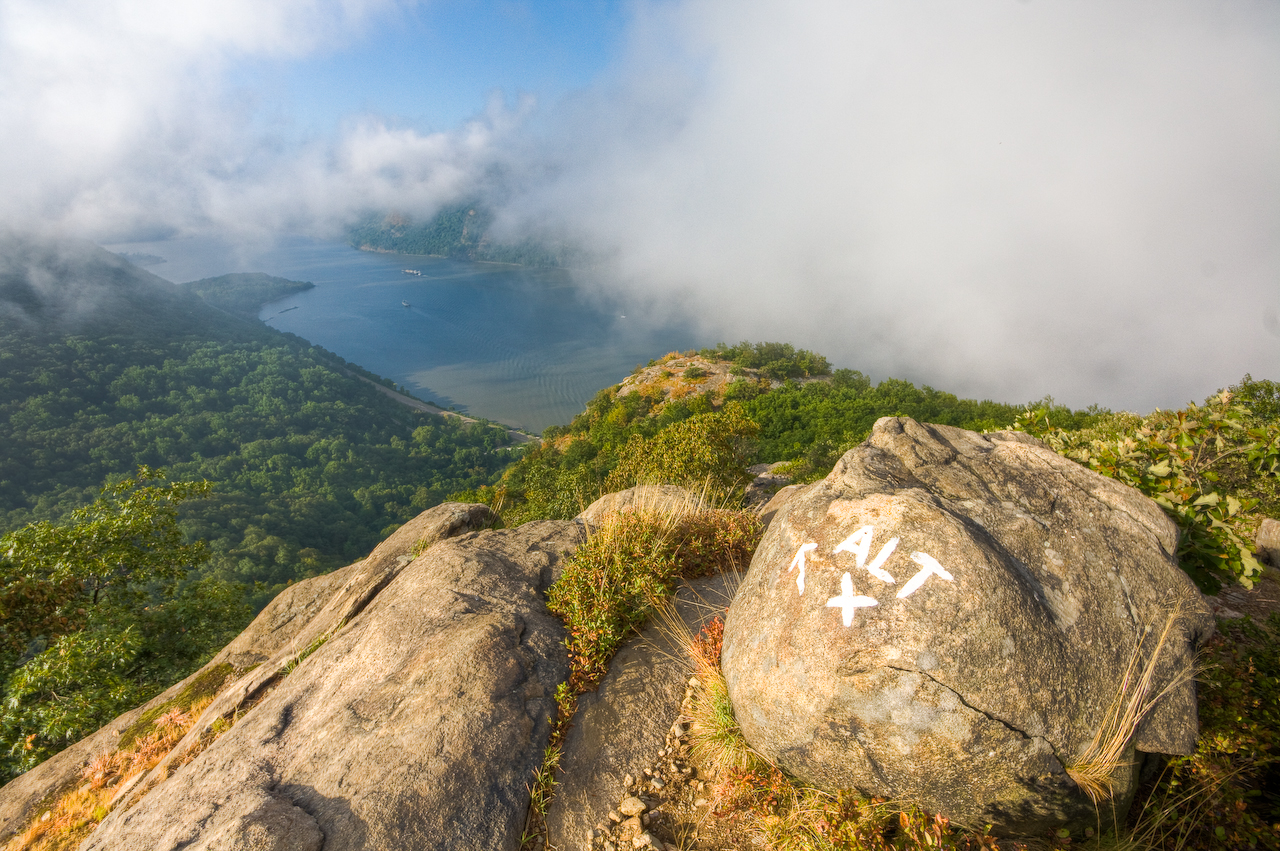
x=57, y=698
x=814, y=424
x=707, y=450
x=776, y=361
x=1199, y=464
x=1226, y=794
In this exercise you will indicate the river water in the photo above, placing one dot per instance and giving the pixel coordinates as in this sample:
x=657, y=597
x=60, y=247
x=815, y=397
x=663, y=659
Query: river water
x=525, y=347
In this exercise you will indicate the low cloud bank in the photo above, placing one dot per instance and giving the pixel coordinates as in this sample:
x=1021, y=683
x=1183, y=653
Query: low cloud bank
x=1003, y=199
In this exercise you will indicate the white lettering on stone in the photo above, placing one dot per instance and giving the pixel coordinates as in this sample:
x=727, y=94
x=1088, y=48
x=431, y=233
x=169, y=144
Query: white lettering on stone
x=847, y=602
x=928, y=567
x=859, y=543
x=798, y=561
x=875, y=568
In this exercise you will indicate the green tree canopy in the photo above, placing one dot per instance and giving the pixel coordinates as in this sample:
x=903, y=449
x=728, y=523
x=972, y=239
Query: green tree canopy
x=94, y=620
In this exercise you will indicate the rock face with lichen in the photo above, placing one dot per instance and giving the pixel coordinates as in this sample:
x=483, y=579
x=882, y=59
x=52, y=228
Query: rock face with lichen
x=416, y=724
x=947, y=618
x=402, y=702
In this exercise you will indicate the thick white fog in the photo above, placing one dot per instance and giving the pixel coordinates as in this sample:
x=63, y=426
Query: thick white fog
x=1003, y=199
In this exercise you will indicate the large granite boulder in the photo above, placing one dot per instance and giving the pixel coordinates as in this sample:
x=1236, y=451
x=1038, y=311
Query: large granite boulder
x=417, y=724
x=947, y=618
x=289, y=623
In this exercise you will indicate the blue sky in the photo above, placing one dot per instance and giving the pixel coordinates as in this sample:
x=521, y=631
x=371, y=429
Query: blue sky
x=435, y=65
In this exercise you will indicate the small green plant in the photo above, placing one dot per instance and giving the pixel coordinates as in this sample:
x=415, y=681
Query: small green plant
x=621, y=575
x=614, y=581
x=1227, y=794
x=542, y=787
x=714, y=734
x=316, y=643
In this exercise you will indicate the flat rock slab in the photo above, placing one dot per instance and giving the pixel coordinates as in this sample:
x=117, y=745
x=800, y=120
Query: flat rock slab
x=417, y=725
x=286, y=625
x=948, y=616
x=620, y=727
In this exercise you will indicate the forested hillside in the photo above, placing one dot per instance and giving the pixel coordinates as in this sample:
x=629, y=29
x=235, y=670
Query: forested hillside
x=104, y=367
x=283, y=462
x=243, y=293
x=771, y=401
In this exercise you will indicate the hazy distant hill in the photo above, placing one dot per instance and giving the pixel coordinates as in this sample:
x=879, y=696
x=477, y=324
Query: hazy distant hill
x=73, y=286
x=244, y=293
x=461, y=231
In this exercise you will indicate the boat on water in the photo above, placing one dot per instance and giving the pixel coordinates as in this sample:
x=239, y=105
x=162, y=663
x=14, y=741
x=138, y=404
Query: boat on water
x=405, y=303
x=411, y=271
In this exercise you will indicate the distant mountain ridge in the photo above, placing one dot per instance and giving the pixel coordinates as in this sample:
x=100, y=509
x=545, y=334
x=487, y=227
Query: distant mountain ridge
x=459, y=231
x=244, y=293
x=73, y=286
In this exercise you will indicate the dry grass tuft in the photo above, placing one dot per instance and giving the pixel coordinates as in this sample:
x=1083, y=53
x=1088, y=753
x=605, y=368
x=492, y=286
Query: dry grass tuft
x=1094, y=768
x=76, y=813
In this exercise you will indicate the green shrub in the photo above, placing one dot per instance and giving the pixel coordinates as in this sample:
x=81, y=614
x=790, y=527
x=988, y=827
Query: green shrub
x=707, y=450
x=612, y=583
x=776, y=361
x=1227, y=794
x=1200, y=464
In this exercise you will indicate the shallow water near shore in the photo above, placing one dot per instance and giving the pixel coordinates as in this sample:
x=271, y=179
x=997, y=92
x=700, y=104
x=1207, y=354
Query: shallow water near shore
x=525, y=347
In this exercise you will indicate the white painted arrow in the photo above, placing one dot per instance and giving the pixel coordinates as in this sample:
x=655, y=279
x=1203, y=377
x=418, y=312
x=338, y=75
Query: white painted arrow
x=798, y=561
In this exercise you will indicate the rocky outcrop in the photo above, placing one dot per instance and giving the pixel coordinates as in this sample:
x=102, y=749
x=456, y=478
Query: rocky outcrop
x=765, y=485
x=947, y=618
x=416, y=724
x=1268, y=542
x=290, y=623
x=777, y=503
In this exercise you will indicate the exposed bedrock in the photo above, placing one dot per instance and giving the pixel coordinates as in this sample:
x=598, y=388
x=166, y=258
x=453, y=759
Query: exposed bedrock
x=418, y=723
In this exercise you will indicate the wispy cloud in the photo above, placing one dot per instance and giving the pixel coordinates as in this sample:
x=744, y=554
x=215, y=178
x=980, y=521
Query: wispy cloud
x=117, y=117
x=1000, y=198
